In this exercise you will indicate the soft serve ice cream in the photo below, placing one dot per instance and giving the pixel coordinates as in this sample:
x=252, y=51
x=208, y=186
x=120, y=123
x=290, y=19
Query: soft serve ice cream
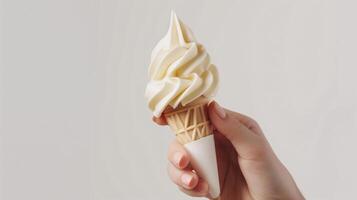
x=180, y=70
x=183, y=79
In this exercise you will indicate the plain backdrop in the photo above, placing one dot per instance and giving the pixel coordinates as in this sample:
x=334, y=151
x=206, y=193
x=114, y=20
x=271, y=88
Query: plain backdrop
x=75, y=124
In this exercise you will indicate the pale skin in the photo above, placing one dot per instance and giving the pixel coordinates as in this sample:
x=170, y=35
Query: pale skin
x=248, y=167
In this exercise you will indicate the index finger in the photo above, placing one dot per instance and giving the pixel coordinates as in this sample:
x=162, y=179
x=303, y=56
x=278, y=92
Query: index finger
x=159, y=120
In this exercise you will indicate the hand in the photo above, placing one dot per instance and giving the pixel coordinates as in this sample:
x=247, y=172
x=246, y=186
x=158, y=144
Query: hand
x=247, y=165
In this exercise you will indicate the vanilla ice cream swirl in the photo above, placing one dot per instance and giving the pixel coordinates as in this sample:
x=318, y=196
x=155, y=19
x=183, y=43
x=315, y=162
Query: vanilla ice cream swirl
x=180, y=70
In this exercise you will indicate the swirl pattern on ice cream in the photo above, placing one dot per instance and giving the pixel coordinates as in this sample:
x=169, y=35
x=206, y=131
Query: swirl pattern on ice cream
x=180, y=70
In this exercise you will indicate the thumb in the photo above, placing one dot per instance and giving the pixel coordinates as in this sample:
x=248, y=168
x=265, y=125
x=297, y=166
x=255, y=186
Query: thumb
x=238, y=130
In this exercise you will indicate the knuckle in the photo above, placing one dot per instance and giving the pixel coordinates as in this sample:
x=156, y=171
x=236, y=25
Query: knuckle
x=252, y=123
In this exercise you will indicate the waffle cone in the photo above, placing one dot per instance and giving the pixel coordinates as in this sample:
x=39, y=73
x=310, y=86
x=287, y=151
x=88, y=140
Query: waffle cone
x=190, y=122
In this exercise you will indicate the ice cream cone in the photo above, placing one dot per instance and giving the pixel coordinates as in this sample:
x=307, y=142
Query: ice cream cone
x=190, y=122
x=181, y=71
x=194, y=130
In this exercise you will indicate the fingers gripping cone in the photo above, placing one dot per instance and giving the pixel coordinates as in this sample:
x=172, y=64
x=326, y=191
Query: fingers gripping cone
x=194, y=130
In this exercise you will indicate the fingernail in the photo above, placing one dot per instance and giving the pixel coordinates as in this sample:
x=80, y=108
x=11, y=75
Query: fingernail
x=220, y=111
x=177, y=158
x=186, y=179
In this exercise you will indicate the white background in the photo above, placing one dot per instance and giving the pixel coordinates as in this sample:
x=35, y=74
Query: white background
x=75, y=125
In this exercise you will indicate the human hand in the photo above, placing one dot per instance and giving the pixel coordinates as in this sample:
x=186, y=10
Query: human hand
x=247, y=165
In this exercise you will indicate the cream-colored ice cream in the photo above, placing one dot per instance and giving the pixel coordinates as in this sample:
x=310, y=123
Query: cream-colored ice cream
x=180, y=70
